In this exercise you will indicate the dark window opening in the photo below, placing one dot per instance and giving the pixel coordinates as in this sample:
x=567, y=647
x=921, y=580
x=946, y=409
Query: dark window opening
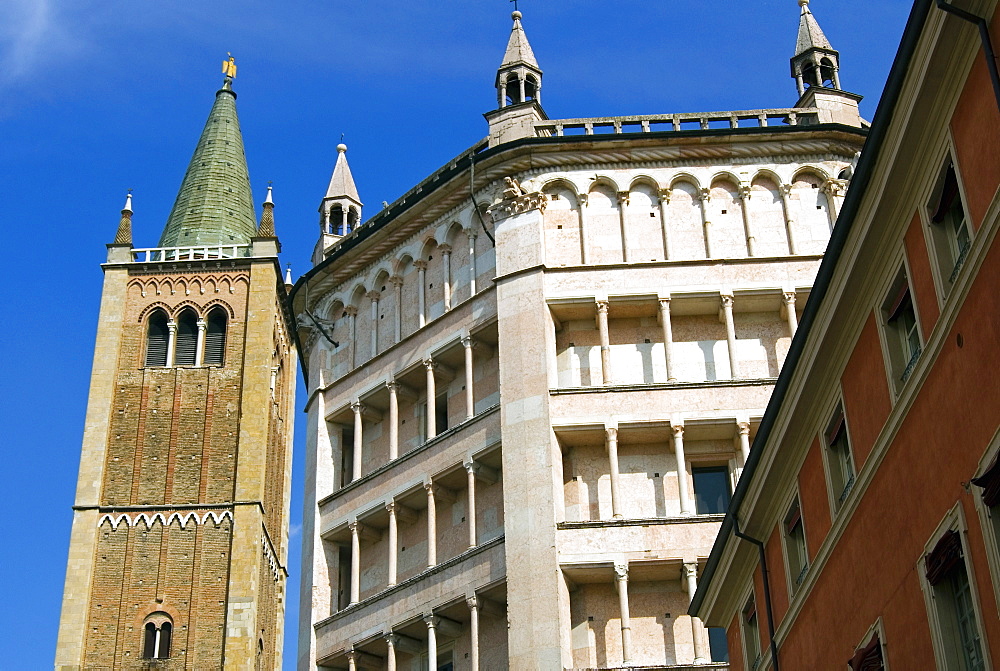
x=343, y=578
x=718, y=645
x=901, y=326
x=441, y=414
x=156, y=638
x=157, y=339
x=711, y=490
x=186, y=347
x=346, y=456
x=795, y=546
x=950, y=229
x=215, y=338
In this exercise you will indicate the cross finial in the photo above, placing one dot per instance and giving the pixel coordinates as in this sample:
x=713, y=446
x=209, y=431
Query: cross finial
x=515, y=5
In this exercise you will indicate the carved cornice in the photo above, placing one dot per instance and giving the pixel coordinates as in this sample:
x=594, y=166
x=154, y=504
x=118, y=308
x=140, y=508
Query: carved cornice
x=526, y=203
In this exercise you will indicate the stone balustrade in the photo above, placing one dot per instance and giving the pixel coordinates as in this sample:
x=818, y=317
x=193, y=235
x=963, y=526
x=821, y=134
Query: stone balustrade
x=155, y=254
x=647, y=123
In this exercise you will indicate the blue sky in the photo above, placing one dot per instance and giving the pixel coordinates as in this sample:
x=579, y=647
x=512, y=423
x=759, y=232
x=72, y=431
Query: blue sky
x=98, y=97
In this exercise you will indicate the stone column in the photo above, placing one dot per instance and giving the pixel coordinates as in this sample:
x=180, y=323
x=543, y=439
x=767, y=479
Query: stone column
x=432, y=648
x=623, y=200
x=745, y=193
x=621, y=581
x=374, y=296
x=397, y=283
x=352, y=323
x=392, y=507
x=788, y=299
x=744, y=429
x=357, y=408
x=431, y=399
x=834, y=189
x=470, y=399
x=393, y=388
x=171, y=341
x=701, y=655
x=199, y=351
x=611, y=434
x=786, y=208
x=446, y=254
x=390, y=653
x=664, y=202
x=470, y=515
x=602, y=327
x=421, y=292
x=472, y=264
x=704, y=196
x=799, y=83
x=431, y=525
x=355, y=562
x=473, y=604
x=523, y=92
x=352, y=661
x=727, y=315
x=682, y=476
x=584, y=200
x=668, y=336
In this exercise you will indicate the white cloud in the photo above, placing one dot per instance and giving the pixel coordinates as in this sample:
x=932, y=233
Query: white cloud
x=34, y=36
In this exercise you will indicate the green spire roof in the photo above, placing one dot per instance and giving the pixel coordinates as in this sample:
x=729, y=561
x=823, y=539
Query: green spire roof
x=214, y=205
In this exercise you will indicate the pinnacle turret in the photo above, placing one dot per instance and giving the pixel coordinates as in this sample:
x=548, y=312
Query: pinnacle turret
x=266, y=228
x=124, y=235
x=816, y=62
x=519, y=78
x=214, y=205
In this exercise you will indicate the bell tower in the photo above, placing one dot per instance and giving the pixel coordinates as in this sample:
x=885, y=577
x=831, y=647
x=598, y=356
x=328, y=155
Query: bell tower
x=816, y=70
x=519, y=90
x=180, y=524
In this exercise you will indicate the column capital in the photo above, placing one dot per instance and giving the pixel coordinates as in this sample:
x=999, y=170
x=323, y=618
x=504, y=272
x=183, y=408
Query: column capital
x=202, y=324
x=392, y=507
x=429, y=363
x=788, y=297
x=396, y=280
x=664, y=302
x=611, y=433
x=391, y=639
x=602, y=306
x=690, y=570
x=835, y=187
x=745, y=191
x=357, y=407
x=420, y=265
x=392, y=386
x=621, y=570
x=471, y=467
x=472, y=602
x=785, y=190
x=664, y=195
x=468, y=342
x=351, y=311
x=678, y=430
x=432, y=620
x=355, y=527
x=374, y=296
x=726, y=300
x=743, y=428
x=704, y=195
x=171, y=325
x=444, y=249
x=623, y=197
x=430, y=487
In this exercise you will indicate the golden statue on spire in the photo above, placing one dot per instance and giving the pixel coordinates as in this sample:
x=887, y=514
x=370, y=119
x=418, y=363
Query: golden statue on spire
x=229, y=67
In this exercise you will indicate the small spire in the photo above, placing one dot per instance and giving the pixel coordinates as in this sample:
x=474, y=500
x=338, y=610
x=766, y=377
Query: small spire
x=810, y=34
x=519, y=50
x=266, y=228
x=342, y=182
x=124, y=235
x=288, y=275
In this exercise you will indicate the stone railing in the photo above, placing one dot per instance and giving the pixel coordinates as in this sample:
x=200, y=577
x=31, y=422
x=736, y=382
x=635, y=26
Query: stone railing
x=649, y=123
x=154, y=254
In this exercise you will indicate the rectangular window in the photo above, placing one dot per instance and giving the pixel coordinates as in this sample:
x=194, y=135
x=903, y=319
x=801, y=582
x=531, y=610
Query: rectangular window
x=949, y=227
x=838, y=458
x=795, y=546
x=441, y=413
x=346, y=456
x=988, y=485
x=899, y=321
x=751, y=634
x=718, y=645
x=711, y=490
x=955, y=613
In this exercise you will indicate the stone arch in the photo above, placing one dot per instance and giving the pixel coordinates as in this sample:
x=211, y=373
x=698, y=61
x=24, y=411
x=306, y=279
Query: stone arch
x=810, y=210
x=457, y=238
x=604, y=225
x=406, y=270
x=485, y=254
x=386, y=315
x=684, y=219
x=725, y=212
x=644, y=230
x=217, y=302
x=198, y=309
x=157, y=305
x=767, y=215
x=434, y=278
x=685, y=177
x=564, y=237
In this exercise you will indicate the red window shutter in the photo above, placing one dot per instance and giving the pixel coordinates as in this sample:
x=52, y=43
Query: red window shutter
x=945, y=555
x=990, y=483
x=868, y=658
x=948, y=194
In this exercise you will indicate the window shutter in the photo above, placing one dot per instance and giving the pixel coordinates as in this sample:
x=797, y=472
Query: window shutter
x=187, y=339
x=793, y=518
x=157, y=339
x=943, y=558
x=215, y=339
x=948, y=194
x=990, y=483
x=902, y=300
x=868, y=658
x=836, y=429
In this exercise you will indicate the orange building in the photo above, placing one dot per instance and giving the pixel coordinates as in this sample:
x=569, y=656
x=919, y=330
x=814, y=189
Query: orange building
x=864, y=531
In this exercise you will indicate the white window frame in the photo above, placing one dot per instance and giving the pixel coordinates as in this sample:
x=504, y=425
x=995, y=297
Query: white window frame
x=901, y=265
x=954, y=520
x=794, y=586
x=991, y=538
x=945, y=153
x=833, y=497
x=877, y=628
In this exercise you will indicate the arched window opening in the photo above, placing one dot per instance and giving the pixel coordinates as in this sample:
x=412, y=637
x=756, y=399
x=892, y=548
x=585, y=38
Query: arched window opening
x=215, y=338
x=157, y=339
x=186, y=348
x=826, y=72
x=337, y=221
x=156, y=636
x=530, y=89
x=352, y=220
x=810, y=75
x=513, y=91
